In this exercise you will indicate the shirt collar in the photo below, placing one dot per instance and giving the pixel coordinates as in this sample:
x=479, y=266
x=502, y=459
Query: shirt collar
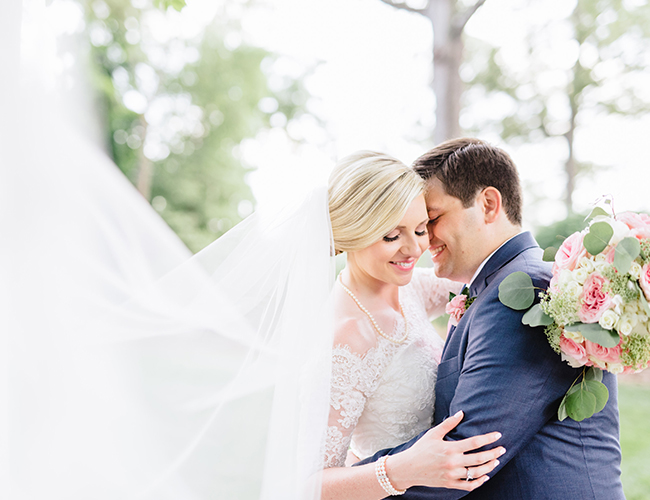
x=488, y=258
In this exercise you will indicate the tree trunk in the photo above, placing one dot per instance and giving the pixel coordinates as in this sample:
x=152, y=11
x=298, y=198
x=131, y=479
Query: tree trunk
x=145, y=170
x=447, y=57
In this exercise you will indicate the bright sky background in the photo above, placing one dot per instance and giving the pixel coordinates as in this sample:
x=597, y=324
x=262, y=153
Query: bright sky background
x=369, y=72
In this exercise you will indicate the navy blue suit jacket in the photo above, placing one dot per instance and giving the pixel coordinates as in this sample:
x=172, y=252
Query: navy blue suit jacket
x=506, y=378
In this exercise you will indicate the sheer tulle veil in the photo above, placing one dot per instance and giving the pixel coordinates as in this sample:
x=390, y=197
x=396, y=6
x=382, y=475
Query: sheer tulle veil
x=132, y=369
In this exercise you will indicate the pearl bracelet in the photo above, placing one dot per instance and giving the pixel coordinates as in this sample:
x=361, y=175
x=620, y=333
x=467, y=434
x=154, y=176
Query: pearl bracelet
x=380, y=472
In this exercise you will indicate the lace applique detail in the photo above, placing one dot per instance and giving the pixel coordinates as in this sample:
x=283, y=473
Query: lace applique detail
x=385, y=396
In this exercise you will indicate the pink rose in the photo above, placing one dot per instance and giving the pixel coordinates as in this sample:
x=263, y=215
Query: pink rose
x=633, y=220
x=594, y=300
x=569, y=254
x=644, y=281
x=574, y=350
x=608, y=355
x=456, y=308
x=611, y=253
x=639, y=224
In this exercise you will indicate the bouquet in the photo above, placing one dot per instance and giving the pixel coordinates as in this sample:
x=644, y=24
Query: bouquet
x=595, y=310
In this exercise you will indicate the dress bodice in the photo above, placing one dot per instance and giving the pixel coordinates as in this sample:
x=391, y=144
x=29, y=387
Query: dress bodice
x=385, y=396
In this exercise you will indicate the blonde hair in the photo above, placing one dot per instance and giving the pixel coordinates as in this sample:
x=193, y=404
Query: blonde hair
x=369, y=193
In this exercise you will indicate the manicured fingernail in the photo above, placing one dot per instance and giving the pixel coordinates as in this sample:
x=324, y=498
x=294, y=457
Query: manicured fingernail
x=503, y=450
x=498, y=435
x=458, y=413
x=497, y=462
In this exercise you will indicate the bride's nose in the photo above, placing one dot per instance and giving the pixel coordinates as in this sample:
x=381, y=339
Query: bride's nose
x=411, y=247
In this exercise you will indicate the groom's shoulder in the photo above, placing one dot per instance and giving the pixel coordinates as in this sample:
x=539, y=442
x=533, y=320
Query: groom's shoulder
x=528, y=261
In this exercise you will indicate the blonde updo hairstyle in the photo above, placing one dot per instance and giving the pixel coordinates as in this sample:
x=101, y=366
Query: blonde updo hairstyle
x=369, y=194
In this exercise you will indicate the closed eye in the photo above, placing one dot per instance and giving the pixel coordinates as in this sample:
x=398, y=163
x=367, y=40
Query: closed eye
x=391, y=238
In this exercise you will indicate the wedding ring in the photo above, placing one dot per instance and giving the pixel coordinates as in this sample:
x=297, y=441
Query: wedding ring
x=469, y=476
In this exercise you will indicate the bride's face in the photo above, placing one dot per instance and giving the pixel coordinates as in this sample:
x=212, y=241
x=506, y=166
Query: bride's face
x=392, y=259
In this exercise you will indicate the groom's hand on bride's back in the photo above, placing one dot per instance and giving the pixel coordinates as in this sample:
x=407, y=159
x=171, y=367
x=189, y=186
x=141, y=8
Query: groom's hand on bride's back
x=432, y=461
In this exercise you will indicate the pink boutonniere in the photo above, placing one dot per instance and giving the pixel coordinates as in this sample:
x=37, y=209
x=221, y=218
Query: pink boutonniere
x=457, y=305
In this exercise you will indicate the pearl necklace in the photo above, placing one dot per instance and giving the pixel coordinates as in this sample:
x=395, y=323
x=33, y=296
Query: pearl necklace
x=372, y=319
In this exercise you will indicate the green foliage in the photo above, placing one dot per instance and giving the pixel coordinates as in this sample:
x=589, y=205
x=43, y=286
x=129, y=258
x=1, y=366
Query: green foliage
x=199, y=99
x=549, y=254
x=555, y=234
x=626, y=251
x=634, y=408
x=543, y=100
x=595, y=333
x=535, y=316
x=517, y=291
x=598, y=237
x=586, y=398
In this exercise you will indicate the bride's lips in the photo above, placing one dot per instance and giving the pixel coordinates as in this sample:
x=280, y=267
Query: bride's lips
x=436, y=250
x=403, y=265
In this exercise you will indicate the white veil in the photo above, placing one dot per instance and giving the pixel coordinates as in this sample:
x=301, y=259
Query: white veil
x=130, y=368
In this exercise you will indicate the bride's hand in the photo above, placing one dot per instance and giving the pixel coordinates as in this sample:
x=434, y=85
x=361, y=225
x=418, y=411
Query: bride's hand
x=431, y=461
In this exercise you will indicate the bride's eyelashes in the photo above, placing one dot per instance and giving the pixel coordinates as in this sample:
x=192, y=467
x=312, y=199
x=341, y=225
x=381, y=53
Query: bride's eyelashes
x=390, y=239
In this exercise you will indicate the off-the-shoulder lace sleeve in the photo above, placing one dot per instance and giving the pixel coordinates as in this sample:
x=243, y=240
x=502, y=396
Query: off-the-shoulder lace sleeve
x=433, y=291
x=353, y=379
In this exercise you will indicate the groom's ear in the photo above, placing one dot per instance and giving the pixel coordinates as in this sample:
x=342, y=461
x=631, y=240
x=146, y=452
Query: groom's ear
x=491, y=204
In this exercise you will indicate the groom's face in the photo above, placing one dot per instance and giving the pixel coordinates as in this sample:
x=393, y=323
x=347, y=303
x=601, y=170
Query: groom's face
x=455, y=234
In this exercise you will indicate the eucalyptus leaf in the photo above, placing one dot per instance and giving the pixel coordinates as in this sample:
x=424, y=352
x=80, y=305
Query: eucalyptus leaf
x=643, y=301
x=627, y=250
x=517, y=291
x=561, y=411
x=598, y=237
x=580, y=404
x=595, y=333
x=599, y=390
x=535, y=316
x=596, y=212
x=594, y=373
x=549, y=254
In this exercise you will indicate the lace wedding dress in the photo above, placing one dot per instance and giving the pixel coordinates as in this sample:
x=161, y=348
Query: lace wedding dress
x=385, y=396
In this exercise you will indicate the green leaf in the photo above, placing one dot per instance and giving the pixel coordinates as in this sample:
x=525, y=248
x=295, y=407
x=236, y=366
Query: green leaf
x=561, y=411
x=596, y=212
x=517, y=291
x=549, y=254
x=535, y=316
x=598, y=237
x=595, y=333
x=599, y=390
x=627, y=250
x=451, y=296
x=594, y=373
x=642, y=300
x=580, y=403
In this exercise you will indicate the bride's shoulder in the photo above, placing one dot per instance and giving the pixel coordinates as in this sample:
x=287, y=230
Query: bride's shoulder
x=352, y=332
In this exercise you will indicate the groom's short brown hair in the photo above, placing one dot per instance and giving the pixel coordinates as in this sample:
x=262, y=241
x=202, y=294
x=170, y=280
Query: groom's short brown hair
x=466, y=166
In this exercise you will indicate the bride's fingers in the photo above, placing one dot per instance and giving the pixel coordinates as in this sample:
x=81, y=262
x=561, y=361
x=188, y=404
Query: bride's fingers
x=440, y=430
x=477, y=471
x=482, y=457
x=476, y=442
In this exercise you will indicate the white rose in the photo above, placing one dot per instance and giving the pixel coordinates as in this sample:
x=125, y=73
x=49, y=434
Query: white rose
x=574, y=363
x=608, y=319
x=575, y=336
x=620, y=231
x=618, y=302
x=587, y=264
x=626, y=324
x=615, y=368
x=631, y=308
x=580, y=275
x=565, y=277
x=574, y=288
x=600, y=259
x=635, y=270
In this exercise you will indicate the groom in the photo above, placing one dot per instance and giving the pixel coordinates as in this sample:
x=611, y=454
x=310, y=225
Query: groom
x=503, y=374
